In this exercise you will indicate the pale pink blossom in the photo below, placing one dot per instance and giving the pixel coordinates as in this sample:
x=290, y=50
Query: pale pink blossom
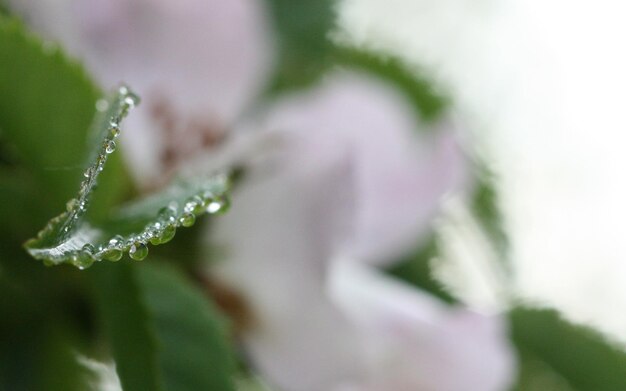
x=353, y=175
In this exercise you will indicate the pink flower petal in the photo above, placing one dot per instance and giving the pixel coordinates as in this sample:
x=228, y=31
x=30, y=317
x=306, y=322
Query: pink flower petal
x=416, y=342
x=347, y=157
x=395, y=172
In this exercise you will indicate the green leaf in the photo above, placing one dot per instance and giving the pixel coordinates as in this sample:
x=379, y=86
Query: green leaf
x=251, y=383
x=416, y=270
x=304, y=48
x=128, y=325
x=420, y=91
x=36, y=336
x=19, y=204
x=165, y=334
x=579, y=356
x=72, y=238
x=45, y=108
x=484, y=204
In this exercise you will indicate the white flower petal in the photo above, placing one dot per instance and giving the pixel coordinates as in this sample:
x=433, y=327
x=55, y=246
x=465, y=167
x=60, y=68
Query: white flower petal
x=346, y=156
x=415, y=341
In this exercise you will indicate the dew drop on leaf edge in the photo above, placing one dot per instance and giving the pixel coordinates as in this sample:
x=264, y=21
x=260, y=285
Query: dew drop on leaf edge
x=167, y=234
x=113, y=254
x=71, y=204
x=187, y=219
x=138, y=251
x=110, y=146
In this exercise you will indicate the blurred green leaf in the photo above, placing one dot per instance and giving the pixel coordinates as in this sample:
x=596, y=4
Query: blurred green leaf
x=416, y=270
x=46, y=105
x=19, y=204
x=73, y=238
x=579, y=357
x=420, y=91
x=302, y=28
x=165, y=334
x=42, y=358
x=251, y=383
x=38, y=341
x=128, y=326
x=536, y=375
x=485, y=205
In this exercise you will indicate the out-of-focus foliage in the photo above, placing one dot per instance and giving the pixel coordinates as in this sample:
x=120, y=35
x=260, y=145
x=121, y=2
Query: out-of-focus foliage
x=416, y=270
x=485, y=206
x=428, y=102
x=558, y=354
x=165, y=335
x=302, y=29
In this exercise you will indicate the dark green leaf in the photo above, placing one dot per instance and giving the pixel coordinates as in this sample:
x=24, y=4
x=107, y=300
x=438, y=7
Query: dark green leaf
x=420, y=91
x=45, y=108
x=485, y=206
x=165, y=334
x=37, y=346
x=579, y=356
x=416, y=270
x=302, y=28
x=129, y=327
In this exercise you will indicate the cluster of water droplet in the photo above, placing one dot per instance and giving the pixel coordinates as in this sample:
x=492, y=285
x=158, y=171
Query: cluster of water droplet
x=161, y=230
x=76, y=207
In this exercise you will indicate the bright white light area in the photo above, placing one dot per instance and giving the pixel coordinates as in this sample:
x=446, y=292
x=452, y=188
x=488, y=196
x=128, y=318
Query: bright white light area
x=541, y=83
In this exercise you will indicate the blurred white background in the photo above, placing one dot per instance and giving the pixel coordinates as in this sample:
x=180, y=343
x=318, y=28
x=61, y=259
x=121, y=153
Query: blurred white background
x=540, y=84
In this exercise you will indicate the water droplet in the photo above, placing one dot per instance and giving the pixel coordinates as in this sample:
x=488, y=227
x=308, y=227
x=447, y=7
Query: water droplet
x=82, y=260
x=123, y=90
x=110, y=146
x=131, y=100
x=114, y=124
x=190, y=206
x=167, y=234
x=102, y=105
x=116, y=241
x=71, y=204
x=113, y=254
x=168, y=213
x=194, y=205
x=187, y=219
x=138, y=251
x=115, y=131
x=89, y=248
x=218, y=205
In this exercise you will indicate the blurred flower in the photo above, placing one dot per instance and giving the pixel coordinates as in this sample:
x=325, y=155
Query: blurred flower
x=350, y=185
